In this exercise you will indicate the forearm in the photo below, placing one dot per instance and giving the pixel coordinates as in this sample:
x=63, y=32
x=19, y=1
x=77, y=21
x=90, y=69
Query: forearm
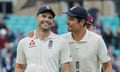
x=107, y=67
x=19, y=68
x=66, y=67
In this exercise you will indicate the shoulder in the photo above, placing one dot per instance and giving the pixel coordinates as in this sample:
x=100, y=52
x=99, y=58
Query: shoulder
x=59, y=39
x=66, y=35
x=94, y=35
x=25, y=40
x=30, y=34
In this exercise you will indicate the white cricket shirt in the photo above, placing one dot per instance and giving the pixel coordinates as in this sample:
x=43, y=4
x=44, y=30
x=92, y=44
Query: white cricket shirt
x=88, y=54
x=43, y=55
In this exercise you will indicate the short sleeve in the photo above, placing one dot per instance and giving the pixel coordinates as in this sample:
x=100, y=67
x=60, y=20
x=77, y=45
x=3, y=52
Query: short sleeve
x=103, y=54
x=20, y=53
x=65, y=55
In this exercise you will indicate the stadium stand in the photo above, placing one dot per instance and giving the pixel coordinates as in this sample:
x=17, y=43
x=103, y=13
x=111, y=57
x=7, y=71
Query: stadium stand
x=29, y=23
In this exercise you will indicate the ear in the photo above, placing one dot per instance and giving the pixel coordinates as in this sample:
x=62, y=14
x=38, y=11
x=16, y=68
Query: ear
x=37, y=18
x=53, y=24
x=82, y=22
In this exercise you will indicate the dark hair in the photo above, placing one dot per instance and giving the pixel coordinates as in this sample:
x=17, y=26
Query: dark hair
x=46, y=11
x=80, y=18
x=87, y=25
x=43, y=9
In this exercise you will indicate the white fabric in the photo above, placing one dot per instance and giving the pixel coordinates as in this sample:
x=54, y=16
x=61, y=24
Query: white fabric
x=42, y=55
x=91, y=52
x=34, y=68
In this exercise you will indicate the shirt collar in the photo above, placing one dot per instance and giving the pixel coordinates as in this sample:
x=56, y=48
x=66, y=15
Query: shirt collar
x=84, y=39
x=86, y=36
x=51, y=35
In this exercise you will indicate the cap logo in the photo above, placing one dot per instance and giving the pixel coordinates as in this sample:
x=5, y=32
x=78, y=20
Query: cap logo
x=73, y=8
x=48, y=7
x=91, y=20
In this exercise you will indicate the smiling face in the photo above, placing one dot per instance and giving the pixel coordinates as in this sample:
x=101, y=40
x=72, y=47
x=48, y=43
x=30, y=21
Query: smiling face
x=74, y=24
x=45, y=21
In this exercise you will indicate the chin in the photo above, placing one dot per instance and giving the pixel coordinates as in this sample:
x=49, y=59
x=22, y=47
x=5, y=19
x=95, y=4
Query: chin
x=46, y=29
x=69, y=29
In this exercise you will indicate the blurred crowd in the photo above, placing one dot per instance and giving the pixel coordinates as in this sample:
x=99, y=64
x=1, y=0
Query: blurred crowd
x=112, y=41
x=8, y=42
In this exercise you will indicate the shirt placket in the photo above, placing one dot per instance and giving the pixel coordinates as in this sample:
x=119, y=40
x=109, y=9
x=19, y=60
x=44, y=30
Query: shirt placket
x=77, y=62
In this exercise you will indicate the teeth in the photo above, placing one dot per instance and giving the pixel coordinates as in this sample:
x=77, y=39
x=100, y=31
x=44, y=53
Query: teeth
x=46, y=24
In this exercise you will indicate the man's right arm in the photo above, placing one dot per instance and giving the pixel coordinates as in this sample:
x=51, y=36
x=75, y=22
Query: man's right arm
x=20, y=58
x=19, y=67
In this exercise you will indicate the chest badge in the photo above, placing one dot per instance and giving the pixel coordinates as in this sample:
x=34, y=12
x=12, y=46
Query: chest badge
x=50, y=44
x=32, y=44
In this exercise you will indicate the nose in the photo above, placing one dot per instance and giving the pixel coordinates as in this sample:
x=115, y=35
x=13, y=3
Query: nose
x=46, y=18
x=67, y=22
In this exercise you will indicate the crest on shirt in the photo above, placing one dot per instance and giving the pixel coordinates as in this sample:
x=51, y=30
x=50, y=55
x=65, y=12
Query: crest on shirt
x=32, y=44
x=50, y=44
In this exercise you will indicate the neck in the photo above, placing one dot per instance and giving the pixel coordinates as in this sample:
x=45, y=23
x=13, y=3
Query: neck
x=78, y=35
x=42, y=34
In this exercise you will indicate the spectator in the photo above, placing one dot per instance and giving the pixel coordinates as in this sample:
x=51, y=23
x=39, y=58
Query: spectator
x=8, y=46
x=100, y=26
x=3, y=33
x=116, y=38
x=7, y=62
x=2, y=24
x=10, y=35
x=90, y=23
x=117, y=62
x=108, y=36
x=2, y=40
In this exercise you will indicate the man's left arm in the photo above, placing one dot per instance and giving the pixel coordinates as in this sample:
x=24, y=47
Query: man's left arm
x=65, y=56
x=107, y=66
x=65, y=67
x=104, y=56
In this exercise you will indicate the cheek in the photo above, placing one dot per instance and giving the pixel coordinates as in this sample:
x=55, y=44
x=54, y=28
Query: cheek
x=39, y=19
x=53, y=24
x=76, y=26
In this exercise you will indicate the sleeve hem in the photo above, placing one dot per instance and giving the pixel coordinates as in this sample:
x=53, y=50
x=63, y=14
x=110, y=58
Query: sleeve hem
x=65, y=61
x=20, y=62
x=104, y=61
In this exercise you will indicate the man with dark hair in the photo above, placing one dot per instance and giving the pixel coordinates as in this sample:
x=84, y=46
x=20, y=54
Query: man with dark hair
x=88, y=49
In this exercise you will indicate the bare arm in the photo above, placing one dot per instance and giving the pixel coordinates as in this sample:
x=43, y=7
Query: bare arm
x=65, y=67
x=107, y=67
x=19, y=68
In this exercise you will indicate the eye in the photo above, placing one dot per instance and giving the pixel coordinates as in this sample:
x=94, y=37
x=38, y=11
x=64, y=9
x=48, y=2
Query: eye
x=50, y=17
x=43, y=16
